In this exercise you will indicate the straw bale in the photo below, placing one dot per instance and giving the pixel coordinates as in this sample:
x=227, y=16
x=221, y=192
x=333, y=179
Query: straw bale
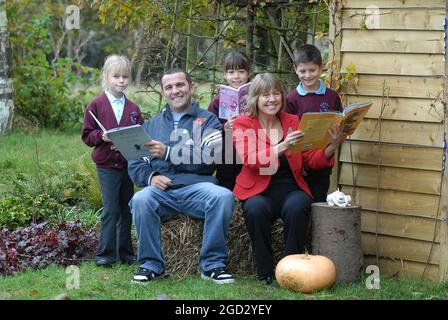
x=182, y=240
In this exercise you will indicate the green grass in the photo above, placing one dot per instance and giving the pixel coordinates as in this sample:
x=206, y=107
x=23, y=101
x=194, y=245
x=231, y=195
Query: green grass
x=114, y=283
x=27, y=153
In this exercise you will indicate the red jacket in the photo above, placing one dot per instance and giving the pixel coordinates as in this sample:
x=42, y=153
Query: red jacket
x=254, y=147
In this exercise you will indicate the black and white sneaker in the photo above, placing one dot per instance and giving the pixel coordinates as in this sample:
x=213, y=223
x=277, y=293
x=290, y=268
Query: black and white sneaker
x=143, y=276
x=218, y=275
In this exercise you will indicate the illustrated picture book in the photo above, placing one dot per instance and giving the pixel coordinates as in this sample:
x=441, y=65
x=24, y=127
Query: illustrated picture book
x=232, y=102
x=315, y=125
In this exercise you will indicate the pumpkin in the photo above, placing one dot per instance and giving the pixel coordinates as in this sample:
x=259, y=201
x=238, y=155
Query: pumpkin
x=305, y=273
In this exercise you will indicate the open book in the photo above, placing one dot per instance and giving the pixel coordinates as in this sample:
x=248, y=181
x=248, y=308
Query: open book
x=128, y=140
x=315, y=125
x=232, y=102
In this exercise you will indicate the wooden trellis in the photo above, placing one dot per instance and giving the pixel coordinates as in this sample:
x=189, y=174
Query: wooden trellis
x=269, y=36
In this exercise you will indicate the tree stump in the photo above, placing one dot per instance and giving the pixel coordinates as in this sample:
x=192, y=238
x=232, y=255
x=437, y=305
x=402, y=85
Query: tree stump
x=336, y=234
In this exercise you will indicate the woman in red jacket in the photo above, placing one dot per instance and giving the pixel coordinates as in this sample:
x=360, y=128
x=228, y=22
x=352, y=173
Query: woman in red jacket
x=271, y=184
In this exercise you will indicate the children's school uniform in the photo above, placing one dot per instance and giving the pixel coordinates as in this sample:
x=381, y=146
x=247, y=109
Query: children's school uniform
x=226, y=173
x=299, y=102
x=117, y=188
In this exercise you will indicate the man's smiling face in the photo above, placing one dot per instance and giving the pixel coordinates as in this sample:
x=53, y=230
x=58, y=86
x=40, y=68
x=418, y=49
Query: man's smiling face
x=177, y=91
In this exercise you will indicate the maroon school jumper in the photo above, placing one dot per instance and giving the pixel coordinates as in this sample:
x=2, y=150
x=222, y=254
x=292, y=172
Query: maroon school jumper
x=318, y=180
x=312, y=102
x=92, y=134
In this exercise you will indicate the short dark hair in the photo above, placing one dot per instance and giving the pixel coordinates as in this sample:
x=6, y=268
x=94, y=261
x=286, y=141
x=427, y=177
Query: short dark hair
x=177, y=70
x=236, y=60
x=307, y=54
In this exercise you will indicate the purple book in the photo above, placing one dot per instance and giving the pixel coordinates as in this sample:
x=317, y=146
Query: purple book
x=232, y=102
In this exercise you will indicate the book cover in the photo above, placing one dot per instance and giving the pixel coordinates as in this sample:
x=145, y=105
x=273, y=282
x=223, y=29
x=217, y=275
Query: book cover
x=232, y=102
x=128, y=140
x=315, y=125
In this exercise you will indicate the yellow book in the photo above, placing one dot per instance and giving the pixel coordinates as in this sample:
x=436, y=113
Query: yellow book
x=315, y=125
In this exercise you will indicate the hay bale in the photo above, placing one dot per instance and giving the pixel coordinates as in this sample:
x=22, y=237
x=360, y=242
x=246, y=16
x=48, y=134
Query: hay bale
x=182, y=240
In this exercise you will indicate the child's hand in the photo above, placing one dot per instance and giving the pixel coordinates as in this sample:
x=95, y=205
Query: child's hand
x=337, y=135
x=229, y=124
x=113, y=148
x=106, y=138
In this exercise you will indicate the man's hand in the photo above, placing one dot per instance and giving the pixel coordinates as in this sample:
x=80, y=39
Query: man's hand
x=161, y=182
x=156, y=149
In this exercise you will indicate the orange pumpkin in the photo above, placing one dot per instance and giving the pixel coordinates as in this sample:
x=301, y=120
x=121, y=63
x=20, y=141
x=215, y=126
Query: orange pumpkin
x=305, y=273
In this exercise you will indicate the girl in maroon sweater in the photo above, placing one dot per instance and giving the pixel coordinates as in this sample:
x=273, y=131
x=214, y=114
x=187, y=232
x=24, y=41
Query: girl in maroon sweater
x=237, y=73
x=113, y=110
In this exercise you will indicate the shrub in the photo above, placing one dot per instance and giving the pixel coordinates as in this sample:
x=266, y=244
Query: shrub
x=40, y=245
x=44, y=89
x=68, y=182
x=17, y=211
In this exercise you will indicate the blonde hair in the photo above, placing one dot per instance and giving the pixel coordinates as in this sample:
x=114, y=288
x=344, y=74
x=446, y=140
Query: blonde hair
x=114, y=63
x=262, y=83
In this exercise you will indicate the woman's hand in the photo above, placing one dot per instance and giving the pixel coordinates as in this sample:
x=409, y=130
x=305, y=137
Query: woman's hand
x=293, y=138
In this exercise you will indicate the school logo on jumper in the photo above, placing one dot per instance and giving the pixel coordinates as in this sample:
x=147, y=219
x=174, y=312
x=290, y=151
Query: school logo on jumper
x=324, y=107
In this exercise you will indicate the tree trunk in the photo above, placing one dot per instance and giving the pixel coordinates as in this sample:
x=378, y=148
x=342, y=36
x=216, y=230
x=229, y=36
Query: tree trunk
x=6, y=91
x=336, y=234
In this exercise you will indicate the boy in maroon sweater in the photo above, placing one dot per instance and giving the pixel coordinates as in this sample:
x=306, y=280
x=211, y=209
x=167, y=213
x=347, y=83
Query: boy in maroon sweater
x=113, y=110
x=236, y=73
x=311, y=95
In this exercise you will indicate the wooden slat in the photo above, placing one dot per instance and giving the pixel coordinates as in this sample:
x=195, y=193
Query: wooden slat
x=395, y=41
x=400, y=248
x=398, y=202
x=399, y=86
x=419, y=110
x=399, y=179
x=413, y=64
x=402, y=268
x=422, y=133
x=393, y=4
x=392, y=155
x=393, y=19
x=400, y=226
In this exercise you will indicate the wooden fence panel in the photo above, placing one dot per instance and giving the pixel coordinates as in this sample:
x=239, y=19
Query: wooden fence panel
x=420, y=181
x=397, y=41
x=391, y=155
x=392, y=201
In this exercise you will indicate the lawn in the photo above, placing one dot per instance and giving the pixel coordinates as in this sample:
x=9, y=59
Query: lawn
x=114, y=283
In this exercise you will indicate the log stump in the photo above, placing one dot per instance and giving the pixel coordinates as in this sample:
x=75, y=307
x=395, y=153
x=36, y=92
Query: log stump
x=336, y=234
